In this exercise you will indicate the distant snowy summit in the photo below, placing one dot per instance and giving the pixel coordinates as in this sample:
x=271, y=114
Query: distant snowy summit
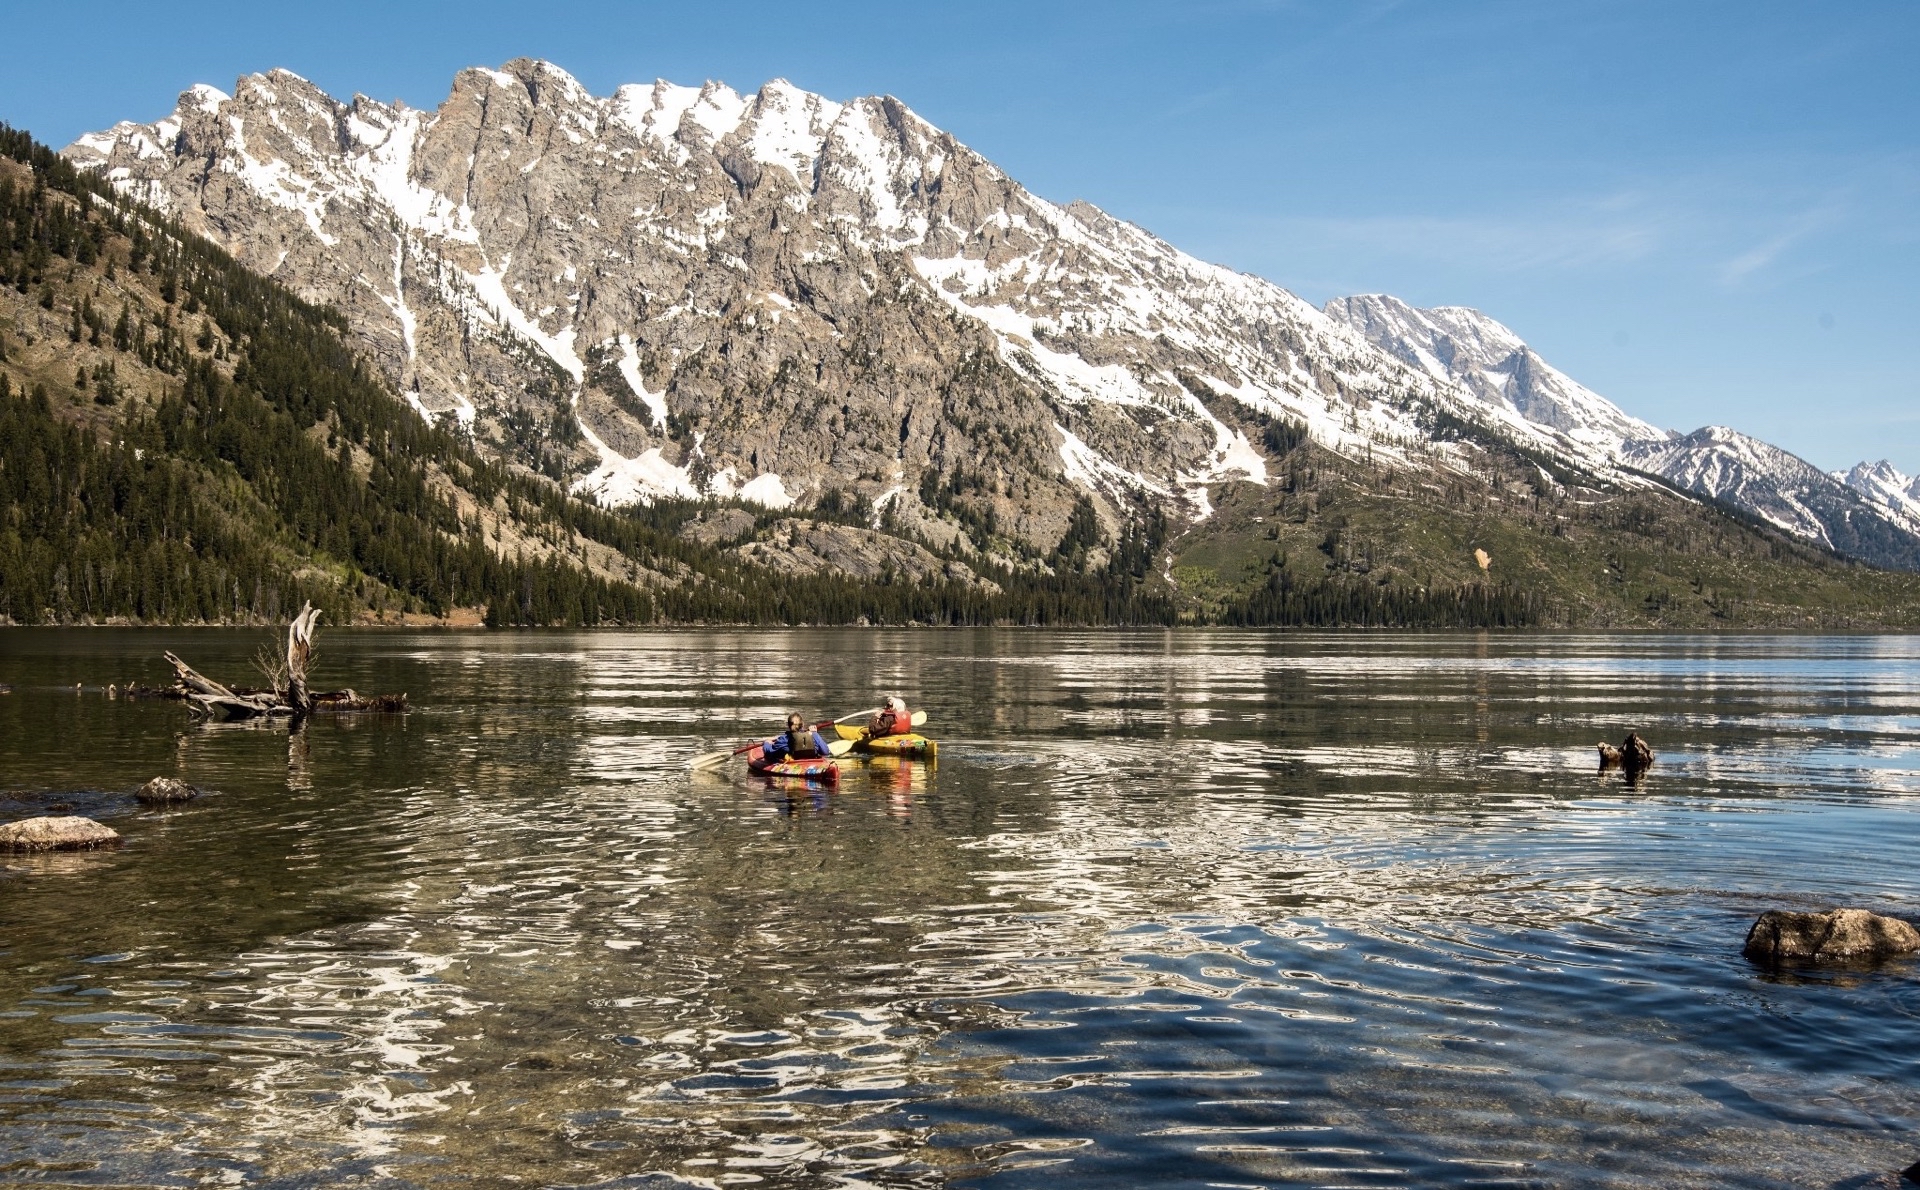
x=1870, y=512
x=1490, y=361
x=690, y=292
x=1883, y=483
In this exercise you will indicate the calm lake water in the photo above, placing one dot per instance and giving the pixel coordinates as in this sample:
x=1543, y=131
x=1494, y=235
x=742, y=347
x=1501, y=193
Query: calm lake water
x=1174, y=909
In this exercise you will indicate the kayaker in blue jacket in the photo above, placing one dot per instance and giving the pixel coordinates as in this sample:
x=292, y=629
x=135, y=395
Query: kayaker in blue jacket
x=798, y=742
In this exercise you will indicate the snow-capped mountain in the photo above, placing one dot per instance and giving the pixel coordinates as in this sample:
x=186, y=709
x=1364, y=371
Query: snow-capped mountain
x=1452, y=343
x=1883, y=483
x=1467, y=347
x=1784, y=490
x=676, y=291
x=772, y=295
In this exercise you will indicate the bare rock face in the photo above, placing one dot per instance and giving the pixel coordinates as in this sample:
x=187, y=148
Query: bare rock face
x=1839, y=935
x=719, y=526
x=165, y=791
x=803, y=547
x=64, y=833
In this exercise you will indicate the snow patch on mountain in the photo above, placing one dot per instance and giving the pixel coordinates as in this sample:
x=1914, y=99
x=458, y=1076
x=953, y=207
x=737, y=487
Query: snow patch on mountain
x=1088, y=468
x=656, y=403
x=489, y=283
x=789, y=127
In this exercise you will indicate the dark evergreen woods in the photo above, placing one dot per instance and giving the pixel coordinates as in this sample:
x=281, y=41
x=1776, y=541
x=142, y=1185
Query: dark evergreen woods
x=273, y=467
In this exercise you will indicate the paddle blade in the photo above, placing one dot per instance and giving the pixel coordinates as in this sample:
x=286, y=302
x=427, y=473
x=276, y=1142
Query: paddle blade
x=839, y=747
x=919, y=718
x=709, y=760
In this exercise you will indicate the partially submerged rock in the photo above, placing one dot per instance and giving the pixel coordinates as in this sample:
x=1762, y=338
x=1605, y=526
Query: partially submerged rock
x=1633, y=754
x=164, y=791
x=65, y=833
x=1838, y=935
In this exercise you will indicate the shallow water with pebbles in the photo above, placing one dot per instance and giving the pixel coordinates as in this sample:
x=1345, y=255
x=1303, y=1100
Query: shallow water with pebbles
x=1181, y=909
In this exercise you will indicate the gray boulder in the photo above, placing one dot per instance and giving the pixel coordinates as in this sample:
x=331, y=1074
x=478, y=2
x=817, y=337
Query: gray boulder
x=63, y=833
x=165, y=791
x=1838, y=935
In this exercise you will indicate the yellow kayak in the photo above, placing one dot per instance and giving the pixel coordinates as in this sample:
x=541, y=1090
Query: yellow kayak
x=912, y=746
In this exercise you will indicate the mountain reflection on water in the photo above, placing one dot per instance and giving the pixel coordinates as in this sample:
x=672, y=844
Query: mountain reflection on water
x=1203, y=909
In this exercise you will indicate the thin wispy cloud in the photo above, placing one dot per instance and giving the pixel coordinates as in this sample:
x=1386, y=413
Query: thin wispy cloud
x=1502, y=242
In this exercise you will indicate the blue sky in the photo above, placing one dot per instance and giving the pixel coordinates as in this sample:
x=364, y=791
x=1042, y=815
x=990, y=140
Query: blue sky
x=1708, y=212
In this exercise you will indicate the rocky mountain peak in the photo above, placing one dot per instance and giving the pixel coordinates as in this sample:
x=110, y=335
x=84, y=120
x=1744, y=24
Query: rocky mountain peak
x=1884, y=484
x=1463, y=345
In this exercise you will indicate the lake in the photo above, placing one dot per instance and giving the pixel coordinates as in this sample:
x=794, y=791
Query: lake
x=1204, y=909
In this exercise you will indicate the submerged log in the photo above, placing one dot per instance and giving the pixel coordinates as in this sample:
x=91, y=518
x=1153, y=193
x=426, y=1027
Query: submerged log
x=348, y=700
x=209, y=696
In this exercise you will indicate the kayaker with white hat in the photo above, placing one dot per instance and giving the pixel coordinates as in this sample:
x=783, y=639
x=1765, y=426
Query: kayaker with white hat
x=891, y=719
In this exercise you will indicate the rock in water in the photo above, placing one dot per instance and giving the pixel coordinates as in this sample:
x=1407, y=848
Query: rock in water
x=164, y=791
x=1837, y=935
x=1635, y=755
x=67, y=833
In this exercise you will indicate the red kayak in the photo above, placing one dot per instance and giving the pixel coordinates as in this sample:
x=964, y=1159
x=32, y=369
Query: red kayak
x=823, y=771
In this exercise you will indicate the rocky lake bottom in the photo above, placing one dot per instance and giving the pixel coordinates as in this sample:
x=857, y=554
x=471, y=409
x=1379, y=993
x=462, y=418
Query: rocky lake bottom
x=1173, y=908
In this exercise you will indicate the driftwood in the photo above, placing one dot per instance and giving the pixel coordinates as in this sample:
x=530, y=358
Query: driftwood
x=209, y=696
x=299, y=652
x=210, y=699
